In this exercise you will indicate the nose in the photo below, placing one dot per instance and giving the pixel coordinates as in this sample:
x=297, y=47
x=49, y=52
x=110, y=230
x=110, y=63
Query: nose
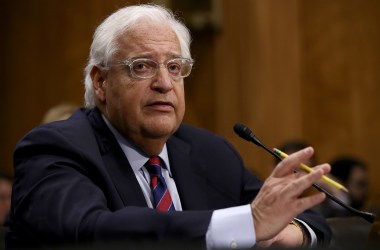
x=163, y=81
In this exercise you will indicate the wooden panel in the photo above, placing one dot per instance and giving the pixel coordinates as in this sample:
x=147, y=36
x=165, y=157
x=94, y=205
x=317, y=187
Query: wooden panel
x=288, y=69
x=301, y=70
x=340, y=72
x=46, y=46
x=258, y=77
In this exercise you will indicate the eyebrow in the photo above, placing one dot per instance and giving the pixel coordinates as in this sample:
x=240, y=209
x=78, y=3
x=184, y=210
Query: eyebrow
x=149, y=56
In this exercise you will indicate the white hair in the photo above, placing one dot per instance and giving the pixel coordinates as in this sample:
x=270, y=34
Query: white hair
x=104, y=44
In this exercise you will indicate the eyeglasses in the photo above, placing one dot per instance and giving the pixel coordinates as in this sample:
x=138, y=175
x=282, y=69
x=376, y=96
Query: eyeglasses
x=147, y=68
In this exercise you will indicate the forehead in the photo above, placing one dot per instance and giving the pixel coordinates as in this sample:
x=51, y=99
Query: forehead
x=150, y=39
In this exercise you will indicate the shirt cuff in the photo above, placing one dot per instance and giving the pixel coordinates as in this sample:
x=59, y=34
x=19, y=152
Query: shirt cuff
x=313, y=236
x=231, y=228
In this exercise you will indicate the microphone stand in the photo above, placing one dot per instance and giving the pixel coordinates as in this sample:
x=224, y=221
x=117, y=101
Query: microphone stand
x=247, y=134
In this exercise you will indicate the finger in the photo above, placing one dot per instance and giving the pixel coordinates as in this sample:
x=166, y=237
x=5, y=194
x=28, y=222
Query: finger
x=287, y=165
x=298, y=174
x=325, y=167
x=298, y=186
x=305, y=203
x=303, y=170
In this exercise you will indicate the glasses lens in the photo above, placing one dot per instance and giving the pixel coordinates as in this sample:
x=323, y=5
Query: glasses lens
x=179, y=67
x=174, y=67
x=186, y=67
x=143, y=68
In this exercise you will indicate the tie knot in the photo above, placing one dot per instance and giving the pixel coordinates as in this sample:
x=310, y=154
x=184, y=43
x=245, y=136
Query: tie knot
x=155, y=160
x=154, y=166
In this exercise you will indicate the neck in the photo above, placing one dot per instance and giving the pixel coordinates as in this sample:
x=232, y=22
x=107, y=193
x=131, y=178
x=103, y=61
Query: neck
x=151, y=147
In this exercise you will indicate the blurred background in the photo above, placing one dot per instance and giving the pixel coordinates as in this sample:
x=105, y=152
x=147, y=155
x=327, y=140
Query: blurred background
x=289, y=69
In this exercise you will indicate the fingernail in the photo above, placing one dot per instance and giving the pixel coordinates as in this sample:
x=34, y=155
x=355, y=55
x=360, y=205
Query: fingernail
x=308, y=150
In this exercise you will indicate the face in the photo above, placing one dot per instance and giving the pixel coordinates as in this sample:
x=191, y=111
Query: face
x=5, y=198
x=358, y=184
x=142, y=109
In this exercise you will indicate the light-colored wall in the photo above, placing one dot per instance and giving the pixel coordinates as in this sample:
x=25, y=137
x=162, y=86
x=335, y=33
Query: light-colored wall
x=288, y=69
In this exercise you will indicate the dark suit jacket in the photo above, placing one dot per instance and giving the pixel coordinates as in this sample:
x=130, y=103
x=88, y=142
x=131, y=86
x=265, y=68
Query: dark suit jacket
x=74, y=184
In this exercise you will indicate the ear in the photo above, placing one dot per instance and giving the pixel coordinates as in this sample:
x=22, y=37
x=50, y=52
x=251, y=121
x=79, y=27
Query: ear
x=98, y=82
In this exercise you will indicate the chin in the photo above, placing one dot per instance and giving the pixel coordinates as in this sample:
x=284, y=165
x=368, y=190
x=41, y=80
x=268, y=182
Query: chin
x=161, y=130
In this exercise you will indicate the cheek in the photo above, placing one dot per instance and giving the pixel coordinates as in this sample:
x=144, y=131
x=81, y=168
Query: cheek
x=181, y=100
x=120, y=88
x=126, y=102
x=122, y=98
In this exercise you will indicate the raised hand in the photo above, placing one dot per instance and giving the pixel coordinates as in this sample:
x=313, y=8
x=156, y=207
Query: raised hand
x=279, y=200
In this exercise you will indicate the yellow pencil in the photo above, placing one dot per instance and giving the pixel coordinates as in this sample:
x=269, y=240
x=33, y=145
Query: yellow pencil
x=309, y=169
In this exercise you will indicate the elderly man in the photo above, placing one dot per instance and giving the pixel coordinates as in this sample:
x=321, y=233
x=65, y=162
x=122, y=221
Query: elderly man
x=126, y=169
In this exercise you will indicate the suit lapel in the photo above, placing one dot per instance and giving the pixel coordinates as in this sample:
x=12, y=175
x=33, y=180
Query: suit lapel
x=116, y=164
x=187, y=175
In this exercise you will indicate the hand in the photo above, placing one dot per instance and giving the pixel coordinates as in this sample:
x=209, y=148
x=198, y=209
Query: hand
x=279, y=201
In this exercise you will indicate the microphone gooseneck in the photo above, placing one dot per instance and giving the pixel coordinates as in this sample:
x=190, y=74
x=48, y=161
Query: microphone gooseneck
x=245, y=133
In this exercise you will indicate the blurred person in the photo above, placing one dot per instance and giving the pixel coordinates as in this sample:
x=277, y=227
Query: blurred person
x=125, y=168
x=59, y=112
x=352, y=173
x=5, y=204
x=5, y=197
x=374, y=234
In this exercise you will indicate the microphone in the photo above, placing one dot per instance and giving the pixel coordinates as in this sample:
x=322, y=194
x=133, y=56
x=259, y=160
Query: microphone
x=245, y=133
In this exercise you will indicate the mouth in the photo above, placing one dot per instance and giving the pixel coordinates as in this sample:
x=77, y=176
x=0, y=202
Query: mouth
x=161, y=106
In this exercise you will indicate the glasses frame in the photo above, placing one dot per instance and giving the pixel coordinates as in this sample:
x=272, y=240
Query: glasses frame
x=131, y=61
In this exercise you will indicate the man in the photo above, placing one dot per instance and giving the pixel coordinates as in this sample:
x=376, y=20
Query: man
x=89, y=178
x=5, y=197
x=353, y=174
x=5, y=202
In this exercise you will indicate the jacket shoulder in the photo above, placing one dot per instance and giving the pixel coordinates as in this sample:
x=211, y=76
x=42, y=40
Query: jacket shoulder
x=75, y=132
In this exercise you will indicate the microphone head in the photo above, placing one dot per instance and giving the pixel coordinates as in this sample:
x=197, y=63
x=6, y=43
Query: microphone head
x=244, y=132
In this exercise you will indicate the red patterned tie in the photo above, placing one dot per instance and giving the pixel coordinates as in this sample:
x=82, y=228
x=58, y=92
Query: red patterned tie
x=161, y=196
